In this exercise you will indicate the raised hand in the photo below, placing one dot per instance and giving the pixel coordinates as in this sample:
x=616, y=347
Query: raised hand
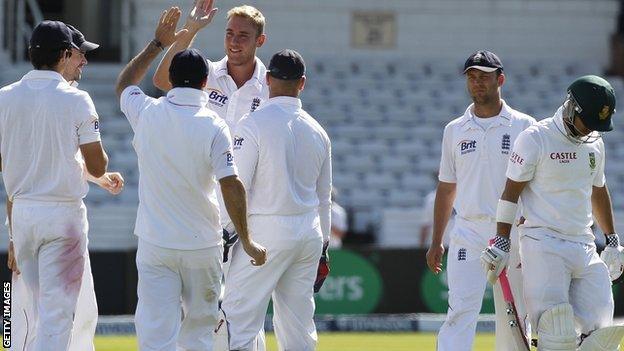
x=201, y=15
x=166, y=30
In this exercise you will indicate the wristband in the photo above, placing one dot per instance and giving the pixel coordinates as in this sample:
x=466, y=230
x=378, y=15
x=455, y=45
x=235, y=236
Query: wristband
x=506, y=211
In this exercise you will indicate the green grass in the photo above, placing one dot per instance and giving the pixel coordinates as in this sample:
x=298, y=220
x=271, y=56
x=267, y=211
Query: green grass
x=333, y=342
x=330, y=342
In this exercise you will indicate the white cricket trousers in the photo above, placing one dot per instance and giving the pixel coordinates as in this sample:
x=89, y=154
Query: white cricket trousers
x=85, y=319
x=50, y=241
x=178, y=294
x=467, y=282
x=559, y=271
x=294, y=245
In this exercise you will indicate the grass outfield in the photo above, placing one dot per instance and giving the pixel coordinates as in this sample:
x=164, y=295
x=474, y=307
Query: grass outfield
x=331, y=342
x=334, y=342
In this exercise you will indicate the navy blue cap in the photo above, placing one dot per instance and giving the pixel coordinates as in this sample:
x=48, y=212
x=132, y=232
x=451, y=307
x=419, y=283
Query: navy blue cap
x=51, y=35
x=79, y=40
x=188, y=67
x=287, y=65
x=483, y=60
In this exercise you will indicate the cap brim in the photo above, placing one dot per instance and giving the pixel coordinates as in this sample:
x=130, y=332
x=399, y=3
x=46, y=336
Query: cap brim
x=88, y=46
x=482, y=68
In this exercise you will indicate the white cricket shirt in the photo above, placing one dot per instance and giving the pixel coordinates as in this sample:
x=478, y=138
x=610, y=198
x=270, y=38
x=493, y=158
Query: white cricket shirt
x=284, y=160
x=229, y=101
x=43, y=121
x=560, y=175
x=183, y=148
x=476, y=158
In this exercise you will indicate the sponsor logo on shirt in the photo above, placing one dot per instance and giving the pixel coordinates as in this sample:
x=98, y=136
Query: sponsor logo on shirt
x=506, y=144
x=467, y=146
x=216, y=97
x=563, y=157
x=254, y=104
x=515, y=158
x=238, y=142
x=592, y=161
x=229, y=159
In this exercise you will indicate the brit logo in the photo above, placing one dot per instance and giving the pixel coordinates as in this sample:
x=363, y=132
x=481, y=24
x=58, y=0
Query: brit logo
x=461, y=254
x=217, y=97
x=254, y=104
x=238, y=142
x=592, y=161
x=467, y=146
x=506, y=144
x=229, y=159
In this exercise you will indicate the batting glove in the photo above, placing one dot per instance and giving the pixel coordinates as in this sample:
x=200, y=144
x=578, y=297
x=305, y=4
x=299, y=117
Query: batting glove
x=229, y=239
x=323, y=269
x=613, y=256
x=495, y=257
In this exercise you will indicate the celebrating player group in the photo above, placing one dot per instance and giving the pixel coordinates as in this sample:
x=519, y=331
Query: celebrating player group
x=234, y=199
x=234, y=126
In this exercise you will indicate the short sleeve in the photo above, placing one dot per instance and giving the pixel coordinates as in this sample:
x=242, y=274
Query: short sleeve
x=599, y=177
x=132, y=102
x=88, y=123
x=221, y=157
x=447, y=160
x=524, y=157
x=246, y=149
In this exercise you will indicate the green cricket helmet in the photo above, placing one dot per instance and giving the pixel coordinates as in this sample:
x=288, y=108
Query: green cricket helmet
x=592, y=99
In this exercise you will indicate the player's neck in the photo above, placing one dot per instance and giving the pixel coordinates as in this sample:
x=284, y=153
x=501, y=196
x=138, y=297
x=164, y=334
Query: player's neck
x=241, y=73
x=487, y=110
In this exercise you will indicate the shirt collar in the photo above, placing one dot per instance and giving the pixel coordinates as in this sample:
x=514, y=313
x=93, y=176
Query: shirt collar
x=257, y=79
x=284, y=100
x=44, y=74
x=187, y=97
x=468, y=119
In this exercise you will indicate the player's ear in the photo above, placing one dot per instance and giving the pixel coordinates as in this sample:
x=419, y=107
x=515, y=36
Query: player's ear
x=260, y=40
x=501, y=79
x=301, y=83
x=268, y=79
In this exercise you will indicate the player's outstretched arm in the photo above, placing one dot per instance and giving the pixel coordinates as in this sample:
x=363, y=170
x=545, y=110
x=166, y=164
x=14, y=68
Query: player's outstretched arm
x=442, y=208
x=165, y=35
x=235, y=200
x=200, y=16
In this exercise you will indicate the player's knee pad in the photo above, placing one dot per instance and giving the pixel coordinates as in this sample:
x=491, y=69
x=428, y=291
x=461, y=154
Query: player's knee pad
x=555, y=329
x=603, y=339
x=220, y=334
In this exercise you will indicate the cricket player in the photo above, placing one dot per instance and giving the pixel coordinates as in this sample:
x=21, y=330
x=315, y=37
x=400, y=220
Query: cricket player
x=557, y=169
x=284, y=160
x=183, y=149
x=236, y=84
x=85, y=320
x=475, y=150
x=45, y=180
